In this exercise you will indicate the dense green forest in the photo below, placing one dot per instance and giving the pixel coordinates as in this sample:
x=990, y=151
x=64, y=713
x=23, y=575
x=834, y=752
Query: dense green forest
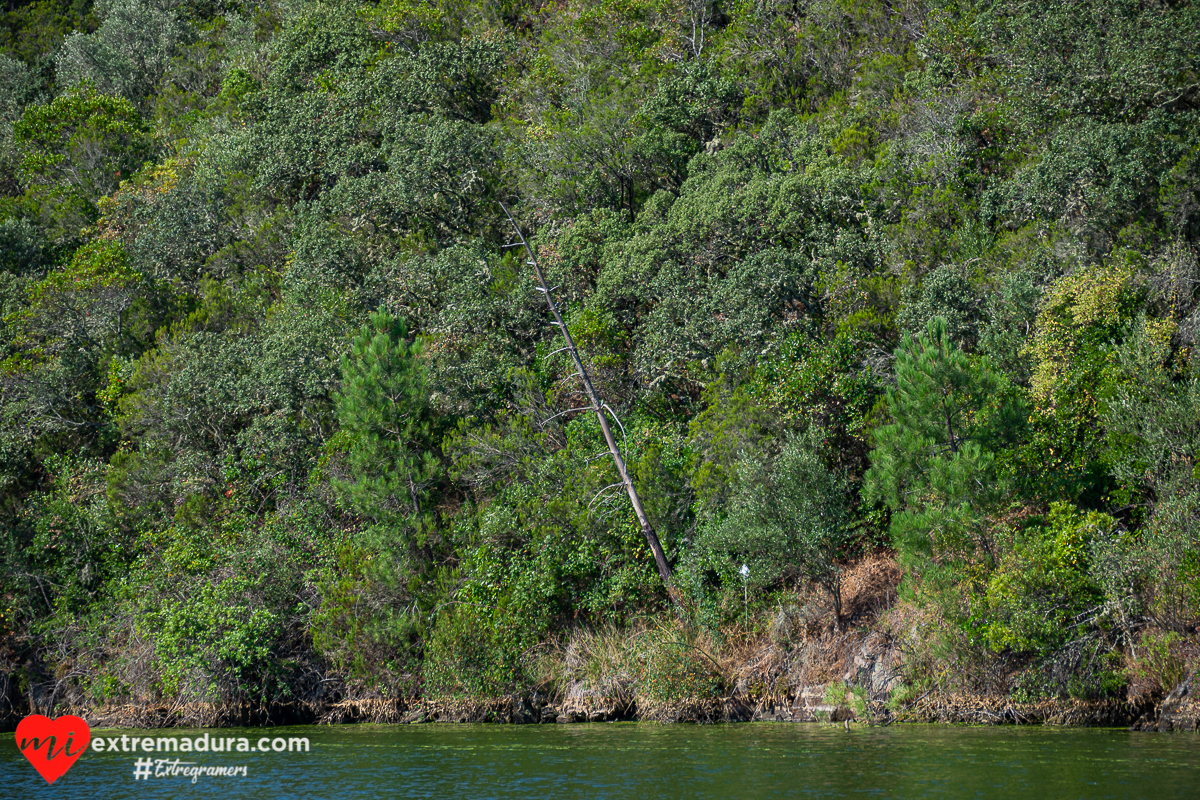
x=285, y=415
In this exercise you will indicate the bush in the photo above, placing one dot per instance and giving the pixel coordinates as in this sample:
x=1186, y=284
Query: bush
x=1159, y=660
x=219, y=643
x=360, y=625
x=788, y=521
x=673, y=666
x=1086, y=669
x=467, y=657
x=1041, y=595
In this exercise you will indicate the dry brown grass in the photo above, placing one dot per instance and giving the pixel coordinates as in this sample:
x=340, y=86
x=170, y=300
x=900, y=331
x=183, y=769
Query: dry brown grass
x=869, y=587
x=591, y=670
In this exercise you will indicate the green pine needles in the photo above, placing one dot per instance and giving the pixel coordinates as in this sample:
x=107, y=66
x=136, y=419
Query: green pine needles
x=935, y=464
x=383, y=412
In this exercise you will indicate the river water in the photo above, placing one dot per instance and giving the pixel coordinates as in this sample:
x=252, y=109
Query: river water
x=643, y=761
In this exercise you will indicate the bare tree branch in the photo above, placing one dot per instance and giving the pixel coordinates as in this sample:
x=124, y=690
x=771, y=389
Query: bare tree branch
x=600, y=408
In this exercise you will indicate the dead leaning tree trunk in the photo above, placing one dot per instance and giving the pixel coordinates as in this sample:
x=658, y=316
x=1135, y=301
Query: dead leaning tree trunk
x=660, y=559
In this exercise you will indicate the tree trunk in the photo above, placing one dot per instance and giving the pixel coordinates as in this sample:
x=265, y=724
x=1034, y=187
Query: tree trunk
x=599, y=407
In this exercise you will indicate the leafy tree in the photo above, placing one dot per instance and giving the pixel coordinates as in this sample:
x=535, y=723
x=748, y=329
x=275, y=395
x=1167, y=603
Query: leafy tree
x=1041, y=594
x=15, y=87
x=1090, y=58
x=74, y=322
x=130, y=52
x=731, y=428
x=481, y=311
x=456, y=80
x=1082, y=317
x=787, y=521
x=701, y=314
x=1151, y=415
x=75, y=150
x=218, y=640
x=945, y=292
x=827, y=386
x=412, y=24
x=760, y=49
x=593, y=137
x=72, y=545
x=23, y=248
x=226, y=390
x=33, y=31
x=1098, y=179
x=1010, y=311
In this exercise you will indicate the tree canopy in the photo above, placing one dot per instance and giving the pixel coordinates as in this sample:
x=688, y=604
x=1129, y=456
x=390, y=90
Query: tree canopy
x=284, y=413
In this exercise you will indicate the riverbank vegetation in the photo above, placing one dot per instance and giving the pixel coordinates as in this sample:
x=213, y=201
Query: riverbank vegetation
x=285, y=418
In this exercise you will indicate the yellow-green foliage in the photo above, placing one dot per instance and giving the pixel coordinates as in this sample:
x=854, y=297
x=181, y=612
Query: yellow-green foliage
x=1073, y=353
x=1041, y=593
x=1095, y=296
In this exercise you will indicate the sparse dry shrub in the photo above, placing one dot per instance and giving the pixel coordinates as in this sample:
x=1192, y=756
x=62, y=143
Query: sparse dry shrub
x=1160, y=661
x=918, y=633
x=820, y=660
x=795, y=624
x=754, y=665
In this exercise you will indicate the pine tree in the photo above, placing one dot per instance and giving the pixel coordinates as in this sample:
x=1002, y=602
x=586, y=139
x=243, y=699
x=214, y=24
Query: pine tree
x=934, y=465
x=382, y=408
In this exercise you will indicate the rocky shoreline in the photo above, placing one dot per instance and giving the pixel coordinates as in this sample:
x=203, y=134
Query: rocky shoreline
x=859, y=688
x=1179, y=711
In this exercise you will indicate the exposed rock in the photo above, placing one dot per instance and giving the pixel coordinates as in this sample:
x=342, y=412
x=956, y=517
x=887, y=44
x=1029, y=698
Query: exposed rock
x=873, y=665
x=527, y=710
x=1179, y=710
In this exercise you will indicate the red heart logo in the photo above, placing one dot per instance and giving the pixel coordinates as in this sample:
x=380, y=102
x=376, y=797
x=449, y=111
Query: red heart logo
x=52, y=745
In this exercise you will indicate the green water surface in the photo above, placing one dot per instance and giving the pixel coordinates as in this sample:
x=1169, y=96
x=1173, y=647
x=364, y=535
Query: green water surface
x=642, y=761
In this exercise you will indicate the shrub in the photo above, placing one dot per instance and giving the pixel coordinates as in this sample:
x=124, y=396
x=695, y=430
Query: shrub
x=673, y=666
x=467, y=657
x=1041, y=595
x=1159, y=660
x=788, y=521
